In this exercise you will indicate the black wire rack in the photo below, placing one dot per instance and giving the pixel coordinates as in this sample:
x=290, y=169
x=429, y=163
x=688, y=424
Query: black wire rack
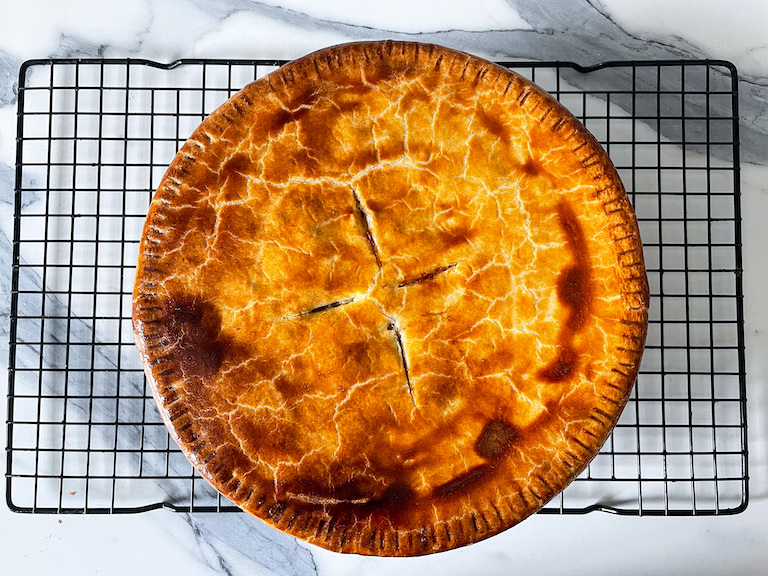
x=94, y=139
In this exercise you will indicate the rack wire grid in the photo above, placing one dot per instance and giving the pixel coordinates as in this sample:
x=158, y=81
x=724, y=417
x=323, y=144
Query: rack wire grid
x=94, y=139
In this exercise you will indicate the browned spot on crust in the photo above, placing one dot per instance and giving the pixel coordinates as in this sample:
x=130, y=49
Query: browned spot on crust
x=348, y=490
x=569, y=222
x=495, y=439
x=492, y=125
x=531, y=167
x=561, y=368
x=574, y=288
x=463, y=481
x=194, y=327
x=574, y=292
x=396, y=497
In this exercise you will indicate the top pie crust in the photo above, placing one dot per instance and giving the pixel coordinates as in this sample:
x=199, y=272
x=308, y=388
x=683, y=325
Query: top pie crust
x=390, y=298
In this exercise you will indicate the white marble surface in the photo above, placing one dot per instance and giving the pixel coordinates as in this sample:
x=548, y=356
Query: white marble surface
x=585, y=31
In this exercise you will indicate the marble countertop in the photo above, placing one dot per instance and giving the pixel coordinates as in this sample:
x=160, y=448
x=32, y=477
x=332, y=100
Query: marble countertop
x=583, y=31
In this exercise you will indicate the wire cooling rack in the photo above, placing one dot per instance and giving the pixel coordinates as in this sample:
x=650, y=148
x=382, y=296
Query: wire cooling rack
x=94, y=139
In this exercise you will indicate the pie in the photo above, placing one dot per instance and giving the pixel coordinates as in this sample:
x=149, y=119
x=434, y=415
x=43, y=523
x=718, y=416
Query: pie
x=390, y=298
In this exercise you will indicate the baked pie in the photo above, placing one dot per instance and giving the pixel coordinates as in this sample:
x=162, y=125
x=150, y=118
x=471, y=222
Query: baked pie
x=390, y=298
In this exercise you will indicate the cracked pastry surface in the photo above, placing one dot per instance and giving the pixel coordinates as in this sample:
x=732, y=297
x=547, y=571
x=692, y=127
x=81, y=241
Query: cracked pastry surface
x=390, y=298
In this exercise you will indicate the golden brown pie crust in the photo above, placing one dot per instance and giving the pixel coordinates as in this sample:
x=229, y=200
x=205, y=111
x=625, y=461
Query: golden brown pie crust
x=390, y=298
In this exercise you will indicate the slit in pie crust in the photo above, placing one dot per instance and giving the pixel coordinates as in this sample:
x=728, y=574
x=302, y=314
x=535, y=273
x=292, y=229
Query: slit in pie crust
x=390, y=298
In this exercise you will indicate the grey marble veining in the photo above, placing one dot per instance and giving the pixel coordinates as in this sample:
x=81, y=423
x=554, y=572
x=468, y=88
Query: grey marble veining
x=255, y=543
x=9, y=70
